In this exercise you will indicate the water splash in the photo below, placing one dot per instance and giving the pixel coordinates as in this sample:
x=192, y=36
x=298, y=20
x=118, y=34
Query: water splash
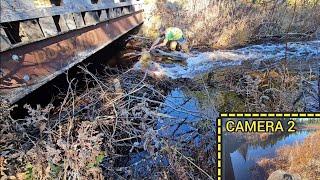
x=199, y=63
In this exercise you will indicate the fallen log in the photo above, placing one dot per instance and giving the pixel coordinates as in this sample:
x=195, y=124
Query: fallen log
x=174, y=56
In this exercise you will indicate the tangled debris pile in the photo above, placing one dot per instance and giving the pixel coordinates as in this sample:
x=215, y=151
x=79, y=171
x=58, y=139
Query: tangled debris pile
x=92, y=134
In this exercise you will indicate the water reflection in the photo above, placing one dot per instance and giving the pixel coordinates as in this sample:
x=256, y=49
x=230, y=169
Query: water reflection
x=241, y=156
x=185, y=111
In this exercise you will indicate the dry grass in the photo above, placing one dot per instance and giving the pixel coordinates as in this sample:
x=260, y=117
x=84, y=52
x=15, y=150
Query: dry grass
x=302, y=159
x=225, y=24
x=92, y=133
x=71, y=141
x=271, y=89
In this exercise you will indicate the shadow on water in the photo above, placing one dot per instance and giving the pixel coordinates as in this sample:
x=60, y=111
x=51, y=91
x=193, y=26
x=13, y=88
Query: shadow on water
x=96, y=63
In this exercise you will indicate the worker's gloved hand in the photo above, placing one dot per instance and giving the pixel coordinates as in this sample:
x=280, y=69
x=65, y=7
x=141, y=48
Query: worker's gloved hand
x=185, y=48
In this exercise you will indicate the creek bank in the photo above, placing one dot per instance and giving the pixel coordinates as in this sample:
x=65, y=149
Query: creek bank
x=282, y=175
x=300, y=158
x=242, y=156
x=129, y=125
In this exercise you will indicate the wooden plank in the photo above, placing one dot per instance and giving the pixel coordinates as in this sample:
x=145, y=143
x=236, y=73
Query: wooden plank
x=79, y=20
x=13, y=5
x=4, y=40
x=112, y=13
x=103, y=16
x=48, y=26
x=91, y=18
x=137, y=7
x=70, y=21
x=118, y=12
x=63, y=24
x=125, y=10
x=18, y=10
x=30, y=31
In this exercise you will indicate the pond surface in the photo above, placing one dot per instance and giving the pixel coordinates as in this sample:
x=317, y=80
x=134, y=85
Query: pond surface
x=241, y=157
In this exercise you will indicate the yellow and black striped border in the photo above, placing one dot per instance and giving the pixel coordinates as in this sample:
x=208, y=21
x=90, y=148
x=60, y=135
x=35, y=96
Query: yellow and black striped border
x=250, y=115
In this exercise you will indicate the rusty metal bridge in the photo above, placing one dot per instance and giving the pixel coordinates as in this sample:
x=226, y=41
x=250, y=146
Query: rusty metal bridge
x=40, y=39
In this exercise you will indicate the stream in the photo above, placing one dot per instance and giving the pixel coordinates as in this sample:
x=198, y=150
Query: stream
x=187, y=116
x=188, y=111
x=199, y=63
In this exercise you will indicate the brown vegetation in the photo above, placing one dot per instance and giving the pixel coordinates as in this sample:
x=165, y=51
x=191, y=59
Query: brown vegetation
x=94, y=131
x=302, y=159
x=270, y=89
x=223, y=24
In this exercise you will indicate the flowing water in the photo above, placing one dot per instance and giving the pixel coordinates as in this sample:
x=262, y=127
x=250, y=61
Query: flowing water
x=187, y=112
x=200, y=63
x=191, y=107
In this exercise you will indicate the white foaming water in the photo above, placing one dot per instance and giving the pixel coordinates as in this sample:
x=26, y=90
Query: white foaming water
x=199, y=63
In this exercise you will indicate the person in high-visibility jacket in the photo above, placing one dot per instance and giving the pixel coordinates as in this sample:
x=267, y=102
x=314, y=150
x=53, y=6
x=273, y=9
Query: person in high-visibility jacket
x=173, y=38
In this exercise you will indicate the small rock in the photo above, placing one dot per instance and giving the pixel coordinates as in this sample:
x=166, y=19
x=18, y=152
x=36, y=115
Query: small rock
x=282, y=175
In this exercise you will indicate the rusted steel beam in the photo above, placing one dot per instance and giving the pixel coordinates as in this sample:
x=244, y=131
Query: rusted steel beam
x=26, y=68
